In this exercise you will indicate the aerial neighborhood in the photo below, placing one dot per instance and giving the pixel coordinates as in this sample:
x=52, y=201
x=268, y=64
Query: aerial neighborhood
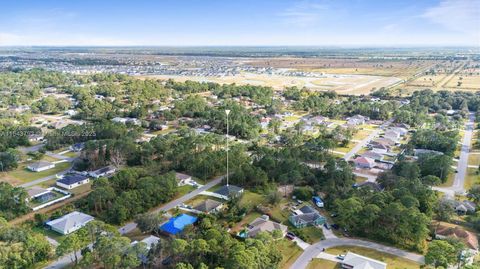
x=104, y=168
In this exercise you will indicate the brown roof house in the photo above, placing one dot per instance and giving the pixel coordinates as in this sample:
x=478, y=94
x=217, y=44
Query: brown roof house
x=469, y=238
x=364, y=162
x=263, y=224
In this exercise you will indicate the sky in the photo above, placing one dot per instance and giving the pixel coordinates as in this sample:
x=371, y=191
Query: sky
x=240, y=23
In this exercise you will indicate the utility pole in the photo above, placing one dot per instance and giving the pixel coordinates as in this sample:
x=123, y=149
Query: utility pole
x=227, y=111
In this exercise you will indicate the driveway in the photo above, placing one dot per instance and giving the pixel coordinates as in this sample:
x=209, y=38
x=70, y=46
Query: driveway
x=64, y=261
x=314, y=250
x=302, y=244
x=43, y=179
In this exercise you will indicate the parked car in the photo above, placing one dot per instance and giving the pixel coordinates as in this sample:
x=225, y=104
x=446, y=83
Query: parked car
x=341, y=257
x=326, y=226
x=290, y=236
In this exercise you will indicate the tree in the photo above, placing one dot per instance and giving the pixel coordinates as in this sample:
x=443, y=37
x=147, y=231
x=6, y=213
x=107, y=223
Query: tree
x=8, y=160
x=474, y=193
x=440, y=253
x=445, y=210
x=71, y=243
x=148, y=223
x=303, y=193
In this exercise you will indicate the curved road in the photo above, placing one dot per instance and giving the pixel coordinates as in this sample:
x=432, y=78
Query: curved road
x=314, y=250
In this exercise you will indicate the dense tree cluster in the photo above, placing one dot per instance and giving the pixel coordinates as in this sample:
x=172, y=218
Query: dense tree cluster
x=128, y=193
x=12, y=201
x=22, y=248
x=445, y=142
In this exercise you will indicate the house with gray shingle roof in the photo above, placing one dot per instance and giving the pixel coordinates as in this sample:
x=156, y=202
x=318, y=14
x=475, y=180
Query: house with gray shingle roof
x=70, y=222
x=40, y=166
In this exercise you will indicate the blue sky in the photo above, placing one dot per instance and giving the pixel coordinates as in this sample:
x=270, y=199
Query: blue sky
x=240, y=22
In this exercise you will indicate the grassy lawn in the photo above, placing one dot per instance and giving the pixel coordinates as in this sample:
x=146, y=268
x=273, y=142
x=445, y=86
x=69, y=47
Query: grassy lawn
x=290, y=252
x=251, y=199
x=71, y=154
x=393, y=262
x=471, y=178
x=474, y=159
x=200, y=198
x=182, y=190
x=345, y=149
x=280, y=212
x=449, y=181
x=360, y=179
x=49, y=158
x=245, y=221
x=291, y=118
x=25, y=175
x=82, y=188
x=361, y=134
x=323, y=264
x=47, y=232
x=312, y=234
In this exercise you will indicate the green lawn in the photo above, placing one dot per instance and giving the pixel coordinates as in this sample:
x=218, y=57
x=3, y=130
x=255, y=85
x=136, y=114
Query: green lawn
x=251, y=199
x=474, y=159
x=290, y=252
x=25, y=175
x=347, y=148
x=359, y=179
x=393, y=262
x=471, y=178
x=71, y=154
x=361, y=134
x=449, y=181
x=312, y=234
x=323, y=264
x=281, y=215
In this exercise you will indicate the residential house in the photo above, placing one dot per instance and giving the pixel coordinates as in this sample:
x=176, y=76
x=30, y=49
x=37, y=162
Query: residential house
x=126, y=120
x=183, y=179
x=40, y=166
x=35, y=137
x=229, y=191
x=355, y=261
x=306, y=216
x=373, y=155
x=364, y=162
x=70, y=181
x=402, y=131
x=468, y=238
x=70, y=222
x=263, y=224
x=385, y=141
x=392, y=135
x=209, y=206
x=356, y=120
x=464, y=207
x=176, y=224
x=379, y=147
x=149, y=241
x=103, y=172
x=77, y=147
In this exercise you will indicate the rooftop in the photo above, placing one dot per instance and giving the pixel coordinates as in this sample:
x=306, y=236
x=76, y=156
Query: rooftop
x=176, y=224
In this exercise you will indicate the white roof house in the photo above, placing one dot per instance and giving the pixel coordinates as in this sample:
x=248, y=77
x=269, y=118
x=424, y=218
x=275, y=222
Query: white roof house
x=149, y=241
x=70, y=222
x=40, y=166
x=355, y=261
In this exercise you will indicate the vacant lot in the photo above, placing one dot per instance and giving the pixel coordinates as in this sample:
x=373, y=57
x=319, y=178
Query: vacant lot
x=393, y=262
x=464, y=82
x=290, y=252
x=323, y=264
x=342, y=83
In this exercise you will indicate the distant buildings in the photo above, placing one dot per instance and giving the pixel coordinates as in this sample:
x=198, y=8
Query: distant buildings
x=70, y=222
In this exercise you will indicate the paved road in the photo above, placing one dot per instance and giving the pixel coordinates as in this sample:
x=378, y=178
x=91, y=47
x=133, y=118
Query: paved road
x=59, y=156
x=462, y=165
x=365, y=141
x=64, y=261
x=314, y=250
x=30, y=149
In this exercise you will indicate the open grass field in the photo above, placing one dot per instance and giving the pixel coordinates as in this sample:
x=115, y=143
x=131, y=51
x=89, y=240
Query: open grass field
x=393, y=262
x=323, y=264
x=461, y=81
x=362, y=134
x=290, y=252
x=341, y=83
x=23, y=175
x=428, y=80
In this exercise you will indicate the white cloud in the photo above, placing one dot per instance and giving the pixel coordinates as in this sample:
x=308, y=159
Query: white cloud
x=303, y=14
x=457, y=15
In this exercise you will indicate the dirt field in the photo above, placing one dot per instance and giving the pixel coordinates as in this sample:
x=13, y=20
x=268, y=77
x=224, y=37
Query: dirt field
x=348, y=84
x=357, y=66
